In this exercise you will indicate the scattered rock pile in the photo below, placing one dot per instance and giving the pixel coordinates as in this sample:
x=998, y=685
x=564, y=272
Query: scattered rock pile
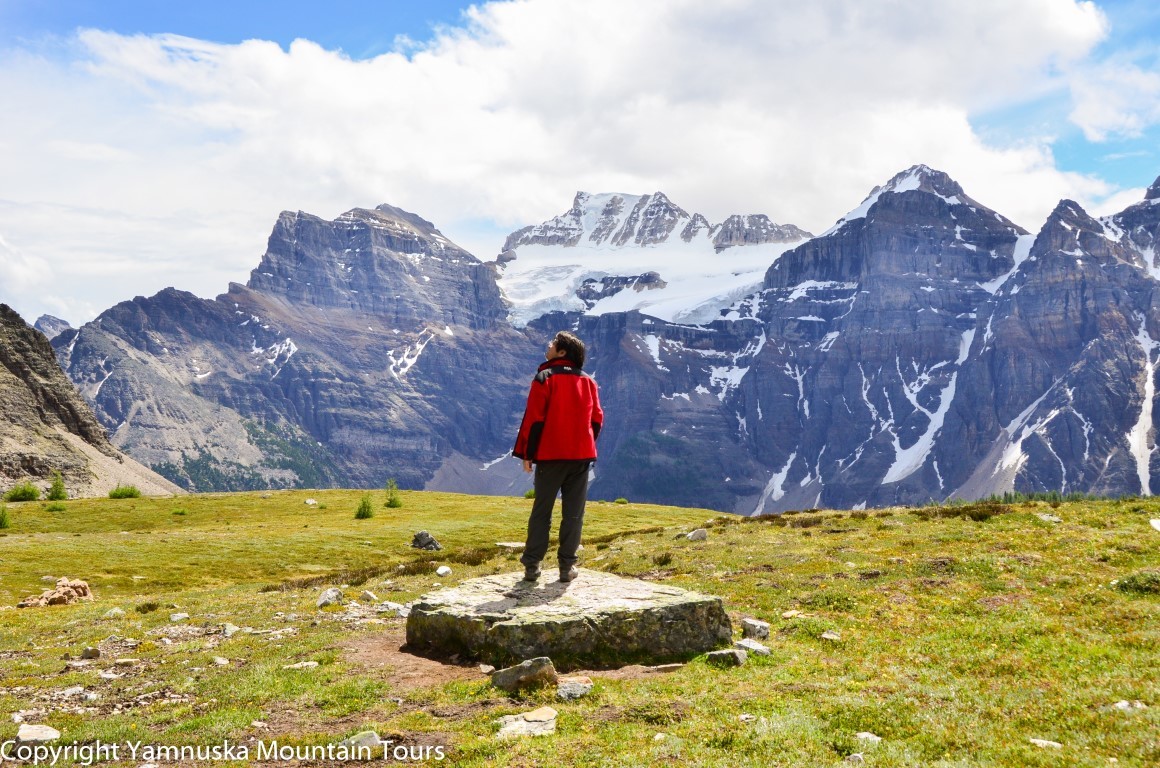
x=424, y=540
x=66, y=591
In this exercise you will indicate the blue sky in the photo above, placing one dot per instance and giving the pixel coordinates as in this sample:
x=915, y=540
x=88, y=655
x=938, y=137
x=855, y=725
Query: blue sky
x=131, y=160
x=1127, y=161
x=361, y=28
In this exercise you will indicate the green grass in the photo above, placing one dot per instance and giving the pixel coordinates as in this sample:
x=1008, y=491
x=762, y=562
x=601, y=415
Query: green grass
x=964, y=631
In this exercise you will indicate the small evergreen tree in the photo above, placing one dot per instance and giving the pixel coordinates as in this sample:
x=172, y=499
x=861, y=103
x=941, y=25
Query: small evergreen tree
x=364, y=510
x=57, y=491
x=530, y=493
x=4, y=517
x=394, y=501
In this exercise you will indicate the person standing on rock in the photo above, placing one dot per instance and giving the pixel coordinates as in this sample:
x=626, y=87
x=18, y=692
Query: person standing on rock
x=558, y=436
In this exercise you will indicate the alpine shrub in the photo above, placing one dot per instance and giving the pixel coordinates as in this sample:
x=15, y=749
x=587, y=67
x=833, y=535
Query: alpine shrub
x=364, y=510
x=125, y=492
x=22, y=492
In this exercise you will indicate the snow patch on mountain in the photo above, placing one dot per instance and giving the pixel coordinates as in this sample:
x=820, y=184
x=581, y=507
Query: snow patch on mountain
x=702, y=268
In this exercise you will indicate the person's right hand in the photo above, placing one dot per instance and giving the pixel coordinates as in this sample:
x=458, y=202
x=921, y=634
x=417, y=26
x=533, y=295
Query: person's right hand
x=527, y=465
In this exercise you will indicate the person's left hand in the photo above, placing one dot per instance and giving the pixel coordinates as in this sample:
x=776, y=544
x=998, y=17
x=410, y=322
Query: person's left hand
x=527, y=465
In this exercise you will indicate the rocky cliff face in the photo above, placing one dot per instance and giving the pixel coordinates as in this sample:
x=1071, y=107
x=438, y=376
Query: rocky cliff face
x=47, y=427
x=51, y=326
x=365, y=348
x=924, y=347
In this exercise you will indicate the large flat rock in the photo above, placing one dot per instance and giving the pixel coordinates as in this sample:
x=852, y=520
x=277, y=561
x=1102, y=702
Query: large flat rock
x=598, y=620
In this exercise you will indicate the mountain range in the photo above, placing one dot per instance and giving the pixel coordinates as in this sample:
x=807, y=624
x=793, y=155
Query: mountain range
x=923, y=347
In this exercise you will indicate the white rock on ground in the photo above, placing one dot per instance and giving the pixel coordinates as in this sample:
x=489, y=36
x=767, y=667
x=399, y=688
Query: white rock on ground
x=332, y=596
x=1156, y=524
x=363, y=739
x=301, y=665
x=867, y=736
x=1129, y=705
x=751, y=646
x=698, y=535
x=368, y=597
x=539, y=722
x=443, y=570
x=1046, y=743
x=36, y=734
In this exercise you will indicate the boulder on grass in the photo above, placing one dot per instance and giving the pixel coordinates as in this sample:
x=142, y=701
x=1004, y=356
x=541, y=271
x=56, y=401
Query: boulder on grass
x=597, y=621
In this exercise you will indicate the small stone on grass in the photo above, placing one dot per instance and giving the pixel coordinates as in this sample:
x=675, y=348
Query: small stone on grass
x=572, y=688
x=539, y=722
x=301, y=665
x=754, y=628
x=731, y=657
x=751, y=646
x=531, y=673
x=332, y=596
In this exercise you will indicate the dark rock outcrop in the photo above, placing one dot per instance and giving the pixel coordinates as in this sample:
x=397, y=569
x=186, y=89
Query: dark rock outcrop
x=47, y=427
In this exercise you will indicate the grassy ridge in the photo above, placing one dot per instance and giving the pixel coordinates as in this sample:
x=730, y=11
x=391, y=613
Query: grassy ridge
x=961, y=638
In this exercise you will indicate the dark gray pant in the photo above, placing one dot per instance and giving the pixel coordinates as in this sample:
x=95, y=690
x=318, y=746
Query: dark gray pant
x=570, y=479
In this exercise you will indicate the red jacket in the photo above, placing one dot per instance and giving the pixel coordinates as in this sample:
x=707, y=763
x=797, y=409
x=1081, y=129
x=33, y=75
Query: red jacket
x=563, y=416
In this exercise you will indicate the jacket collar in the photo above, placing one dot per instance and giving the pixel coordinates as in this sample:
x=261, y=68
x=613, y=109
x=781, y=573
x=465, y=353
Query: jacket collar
x=556, y=361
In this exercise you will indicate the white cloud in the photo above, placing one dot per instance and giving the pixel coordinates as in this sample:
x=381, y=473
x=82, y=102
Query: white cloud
x=140, y=162
x=20, y=272
x=1115, y=98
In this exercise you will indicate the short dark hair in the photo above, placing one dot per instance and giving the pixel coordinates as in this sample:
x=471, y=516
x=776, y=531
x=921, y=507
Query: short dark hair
x=571, y=346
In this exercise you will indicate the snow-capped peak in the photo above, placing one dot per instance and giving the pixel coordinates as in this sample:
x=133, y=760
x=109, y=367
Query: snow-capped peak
x=917, y=177
x=613, y=252
x=607, y=219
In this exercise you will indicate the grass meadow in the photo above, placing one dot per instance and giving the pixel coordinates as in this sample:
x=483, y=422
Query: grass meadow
x=964, y=632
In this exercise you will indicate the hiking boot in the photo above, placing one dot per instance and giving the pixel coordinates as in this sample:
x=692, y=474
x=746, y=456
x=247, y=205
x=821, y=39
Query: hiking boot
x=568, y=575
x=531, y=572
